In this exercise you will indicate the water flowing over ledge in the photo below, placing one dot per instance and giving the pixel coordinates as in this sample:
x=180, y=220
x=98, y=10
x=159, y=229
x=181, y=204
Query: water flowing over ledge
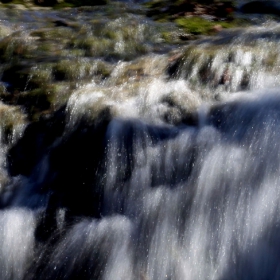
x=137, y=158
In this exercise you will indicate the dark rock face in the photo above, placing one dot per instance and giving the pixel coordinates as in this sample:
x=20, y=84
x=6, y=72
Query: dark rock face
x=261, y=7
x=37, y=139
x=16, y=76
x=77, y=3
x=45, y=2
x=75, y=162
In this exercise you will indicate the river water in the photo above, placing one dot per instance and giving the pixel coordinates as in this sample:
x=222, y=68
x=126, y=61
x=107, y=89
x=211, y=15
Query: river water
x=137, y=158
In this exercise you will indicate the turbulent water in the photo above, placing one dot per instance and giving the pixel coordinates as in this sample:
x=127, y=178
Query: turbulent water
x=168, y=167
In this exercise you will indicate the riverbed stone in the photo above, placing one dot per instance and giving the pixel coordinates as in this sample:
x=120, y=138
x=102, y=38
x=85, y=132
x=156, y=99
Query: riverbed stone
x=261, y=7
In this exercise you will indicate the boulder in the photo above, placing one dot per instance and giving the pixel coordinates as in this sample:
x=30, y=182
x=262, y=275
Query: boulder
x=261, y=7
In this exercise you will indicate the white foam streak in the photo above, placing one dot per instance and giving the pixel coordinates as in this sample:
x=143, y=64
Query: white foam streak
x=205, y=215
x=93, y=249
x=146, y=102
x=16, y=243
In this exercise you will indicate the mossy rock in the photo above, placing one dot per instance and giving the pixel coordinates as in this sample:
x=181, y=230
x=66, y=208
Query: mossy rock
x=70, y=3
x=171, y=9
x=201, y=26
x=78, y=3
x=195, y=17
x=102, y=69
x=23, y=77
x=225, y=68
x=11, y=120
x=94, y=46
x=194, y=25
x=59, y=33
x=16, y=76
x=15, y=48
x=58, y=94
x=4, y=31
x=34, y=100
x=72, y=70
x=40, y=76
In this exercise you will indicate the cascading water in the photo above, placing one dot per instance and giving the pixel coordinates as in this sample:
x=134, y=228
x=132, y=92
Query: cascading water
x=160, y=162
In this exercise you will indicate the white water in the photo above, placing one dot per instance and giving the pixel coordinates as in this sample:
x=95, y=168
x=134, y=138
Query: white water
x=187, y=201
x=217, y=221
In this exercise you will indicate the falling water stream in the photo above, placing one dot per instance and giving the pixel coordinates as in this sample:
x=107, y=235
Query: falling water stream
x=144, y=159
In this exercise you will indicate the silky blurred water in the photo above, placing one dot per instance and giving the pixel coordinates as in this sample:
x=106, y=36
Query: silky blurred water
x=148, y=174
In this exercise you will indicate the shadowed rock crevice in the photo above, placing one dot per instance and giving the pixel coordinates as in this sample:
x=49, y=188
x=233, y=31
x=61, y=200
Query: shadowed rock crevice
x=261, y=7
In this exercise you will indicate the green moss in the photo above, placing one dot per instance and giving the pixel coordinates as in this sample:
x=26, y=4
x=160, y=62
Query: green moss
x=40, y=76
x=102, y=70
x=234, y=23
x=168, y=36
x=201, y=26
x=195, y=25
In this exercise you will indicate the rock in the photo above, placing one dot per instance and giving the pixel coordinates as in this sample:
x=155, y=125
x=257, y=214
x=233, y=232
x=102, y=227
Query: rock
x=17, y=6
x=261, y=7
x=5, y=31
x=186, y=37
x=225, y=78
x=16, y=76
x=217, y=28
x=174, y=65
x=61, y=23
x=45, y=2
x=224, y=10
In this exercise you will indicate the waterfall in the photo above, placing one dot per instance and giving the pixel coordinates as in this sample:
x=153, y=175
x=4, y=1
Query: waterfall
x=204, y=200
x=123, y=156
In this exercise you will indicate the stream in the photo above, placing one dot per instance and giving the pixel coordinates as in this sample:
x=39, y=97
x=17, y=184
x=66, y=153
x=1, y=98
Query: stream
x=128, y=152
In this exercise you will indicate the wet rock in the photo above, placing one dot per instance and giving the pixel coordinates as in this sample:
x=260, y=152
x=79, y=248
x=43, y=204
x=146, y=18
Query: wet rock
x=174, y=65
x=210, y=10
x=245, y=81
x=5, y=31
x=73, y=179
x=71, y=2
x=61, y=23
x=14, y=47
x=45, y=2
x=37, y=137
x=225, y=79
x=191, y=119
x=261, y=7
x=17, y=6
x=217, y=28
x=224, y=10
x=72, y=70
x=12, y=121
x=186, y=37
x=16, y=76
